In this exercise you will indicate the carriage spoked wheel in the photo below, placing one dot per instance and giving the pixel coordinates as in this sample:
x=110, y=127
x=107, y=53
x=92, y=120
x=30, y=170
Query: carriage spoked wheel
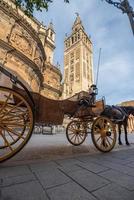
x=16, y=122
x=103, y=134
x=76, y=132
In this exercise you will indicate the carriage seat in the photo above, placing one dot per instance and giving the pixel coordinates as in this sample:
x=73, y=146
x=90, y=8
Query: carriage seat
x=84, y=99
x=88, y=101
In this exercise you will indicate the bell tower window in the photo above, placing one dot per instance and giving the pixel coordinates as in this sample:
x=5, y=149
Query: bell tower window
x=51, y=34
x=72, y=40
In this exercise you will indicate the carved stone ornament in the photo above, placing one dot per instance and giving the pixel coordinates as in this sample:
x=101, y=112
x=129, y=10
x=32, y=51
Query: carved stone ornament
x=38, y=61
x=22, y=41
x=37, y=57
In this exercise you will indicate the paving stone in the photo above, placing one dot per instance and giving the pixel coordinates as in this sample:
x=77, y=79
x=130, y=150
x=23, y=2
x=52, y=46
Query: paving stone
x=129, y=160
x=118, y=167
x=105, y=157
x=51, y=178
x=86, y=158
x=69, y=165
x=26, y=191
x=112, y=159
x=113, y=192
x=43, y=166
x=131, y=164
x=69, y=168
x=69, y=191
x=14, y=171
x=93, y=167
x=68, y=161
x=119, y=178
x=124, y=154
x=88, y=180
x=99, y=159
x=16, y=179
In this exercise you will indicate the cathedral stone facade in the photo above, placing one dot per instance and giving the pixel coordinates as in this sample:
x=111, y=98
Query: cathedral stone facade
x=26, y=49
x=78, y=61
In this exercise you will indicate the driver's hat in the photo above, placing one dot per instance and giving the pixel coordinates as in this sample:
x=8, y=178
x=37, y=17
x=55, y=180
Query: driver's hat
x=93, y=86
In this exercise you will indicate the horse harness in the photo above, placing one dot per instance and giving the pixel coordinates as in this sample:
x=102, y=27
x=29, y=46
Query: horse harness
x=122, y=111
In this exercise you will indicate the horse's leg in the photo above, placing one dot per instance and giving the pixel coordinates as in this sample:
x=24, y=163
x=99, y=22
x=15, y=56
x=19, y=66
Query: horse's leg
x=119, y=138
x=125, y=129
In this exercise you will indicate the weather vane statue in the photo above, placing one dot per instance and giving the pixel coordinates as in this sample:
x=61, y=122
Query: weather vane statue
x=126, y=8
x=77, y=14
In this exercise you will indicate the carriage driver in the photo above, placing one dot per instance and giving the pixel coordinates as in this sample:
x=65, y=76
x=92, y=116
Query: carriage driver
x=93, y=91
x=90, y=100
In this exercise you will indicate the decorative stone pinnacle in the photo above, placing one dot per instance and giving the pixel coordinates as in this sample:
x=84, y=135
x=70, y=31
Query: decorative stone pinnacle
x=77, y=14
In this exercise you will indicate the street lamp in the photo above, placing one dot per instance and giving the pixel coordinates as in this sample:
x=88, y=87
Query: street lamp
x=126, y=8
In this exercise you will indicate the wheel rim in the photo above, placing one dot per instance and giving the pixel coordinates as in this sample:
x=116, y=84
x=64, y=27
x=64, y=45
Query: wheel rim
x=16, y=122
x=76, y=132
x=103, y=134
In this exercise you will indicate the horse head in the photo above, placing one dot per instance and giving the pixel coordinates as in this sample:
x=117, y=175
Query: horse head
x=129, y=109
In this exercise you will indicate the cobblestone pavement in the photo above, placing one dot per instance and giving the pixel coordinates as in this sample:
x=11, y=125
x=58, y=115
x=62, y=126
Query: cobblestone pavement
x=49, y=168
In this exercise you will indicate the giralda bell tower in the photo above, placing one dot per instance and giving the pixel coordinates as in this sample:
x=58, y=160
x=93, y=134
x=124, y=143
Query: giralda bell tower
x=78, y=61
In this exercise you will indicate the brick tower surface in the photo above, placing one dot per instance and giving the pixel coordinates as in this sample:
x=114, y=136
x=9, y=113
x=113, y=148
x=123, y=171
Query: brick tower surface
x=78, y=61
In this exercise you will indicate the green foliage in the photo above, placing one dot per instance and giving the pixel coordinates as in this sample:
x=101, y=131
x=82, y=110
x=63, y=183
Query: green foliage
x=30, y=5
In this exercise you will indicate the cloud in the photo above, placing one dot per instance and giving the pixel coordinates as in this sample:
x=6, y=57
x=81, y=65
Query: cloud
x=115, y=80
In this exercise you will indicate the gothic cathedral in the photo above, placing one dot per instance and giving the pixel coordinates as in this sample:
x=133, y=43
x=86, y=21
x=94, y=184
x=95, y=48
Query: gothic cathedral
x=78, y=61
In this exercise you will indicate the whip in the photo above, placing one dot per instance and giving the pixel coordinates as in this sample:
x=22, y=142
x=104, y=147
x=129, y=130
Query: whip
x=97, y=74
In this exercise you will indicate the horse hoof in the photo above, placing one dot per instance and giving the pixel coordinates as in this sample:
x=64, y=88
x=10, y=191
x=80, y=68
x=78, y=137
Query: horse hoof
x=120, y=143
x=128, y=143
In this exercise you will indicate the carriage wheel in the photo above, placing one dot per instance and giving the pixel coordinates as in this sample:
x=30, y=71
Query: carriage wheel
x=76, y=132
x=15, y=138
x=16, y=122
x=103, y=134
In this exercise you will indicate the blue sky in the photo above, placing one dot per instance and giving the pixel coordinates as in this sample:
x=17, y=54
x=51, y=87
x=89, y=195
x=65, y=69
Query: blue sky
x=110, y=30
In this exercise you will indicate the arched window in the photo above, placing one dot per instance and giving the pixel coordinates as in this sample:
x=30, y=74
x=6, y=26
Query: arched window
x=78, y=36
x=75, y=37
x=72, y=39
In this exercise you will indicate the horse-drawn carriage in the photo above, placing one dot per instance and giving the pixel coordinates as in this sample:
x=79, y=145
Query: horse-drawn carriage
x=21, y=109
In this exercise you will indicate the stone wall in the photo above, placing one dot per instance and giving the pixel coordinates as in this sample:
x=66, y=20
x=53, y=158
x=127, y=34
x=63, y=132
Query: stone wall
x=23, y=50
